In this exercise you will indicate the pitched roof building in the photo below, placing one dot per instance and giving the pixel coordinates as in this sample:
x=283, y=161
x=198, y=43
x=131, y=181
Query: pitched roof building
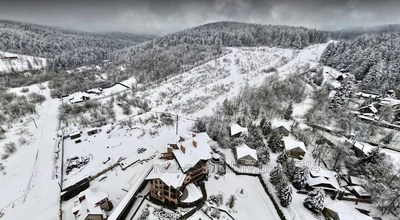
x=295, y=149
x=237, y=130
x=245, y=155
x=341, y=211
x=185, y=163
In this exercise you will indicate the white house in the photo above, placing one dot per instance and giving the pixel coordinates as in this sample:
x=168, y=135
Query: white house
x=246, y=156
x=295, y=149
x=237, y=130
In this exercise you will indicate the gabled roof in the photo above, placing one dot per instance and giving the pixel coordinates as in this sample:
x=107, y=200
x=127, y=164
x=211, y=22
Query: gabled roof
x=359, y=190
x=365, y=147
x=370, y=107
x=323, y=176
x=356, y=180
x=88, y=206
x=193, y=154
x=236, y=129
x=291, y=143
x=345, y=212
x=168, y=172
x=243, y=150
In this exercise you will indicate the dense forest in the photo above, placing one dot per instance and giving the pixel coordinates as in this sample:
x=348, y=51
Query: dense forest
x=351, y=33
x=64, y=49
x=371, y=58
x=235, y=34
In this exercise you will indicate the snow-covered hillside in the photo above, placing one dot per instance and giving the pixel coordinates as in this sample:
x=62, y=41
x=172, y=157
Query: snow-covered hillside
x=193, y=94
x=10, y=62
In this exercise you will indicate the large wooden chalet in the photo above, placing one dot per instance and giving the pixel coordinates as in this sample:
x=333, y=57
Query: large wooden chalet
x=175, y=179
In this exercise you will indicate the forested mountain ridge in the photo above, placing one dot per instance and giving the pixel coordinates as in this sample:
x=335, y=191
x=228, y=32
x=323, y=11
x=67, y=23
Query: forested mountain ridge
x=351, y=33
x=372, y=58
x=236, y=34
x=63, y=48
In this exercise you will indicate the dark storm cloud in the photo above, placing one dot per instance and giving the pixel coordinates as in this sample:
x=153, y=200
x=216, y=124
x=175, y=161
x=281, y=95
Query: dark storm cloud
x=163, y=16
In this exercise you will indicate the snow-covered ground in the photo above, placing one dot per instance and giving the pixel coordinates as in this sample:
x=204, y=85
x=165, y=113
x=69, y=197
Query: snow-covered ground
x=18, y=63
x=252, y=201
x=29, y=188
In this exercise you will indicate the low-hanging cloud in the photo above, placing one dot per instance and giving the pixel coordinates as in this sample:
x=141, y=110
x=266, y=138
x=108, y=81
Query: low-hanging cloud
x=165, y=16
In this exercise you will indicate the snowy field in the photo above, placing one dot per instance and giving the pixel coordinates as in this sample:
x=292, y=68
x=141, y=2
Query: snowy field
x=249, y=193
x=14, y=62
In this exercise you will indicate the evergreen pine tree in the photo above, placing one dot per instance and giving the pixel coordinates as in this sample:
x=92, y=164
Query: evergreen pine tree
x=231, y=201
x=276, y=174
x=266, y=128
x=285, y=195
x=275, y=142
x=300, y=177
x=288, y=112
x=283, y=158
x=315, y=200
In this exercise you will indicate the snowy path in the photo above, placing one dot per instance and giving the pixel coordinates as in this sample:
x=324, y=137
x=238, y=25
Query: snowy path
x=40, y=199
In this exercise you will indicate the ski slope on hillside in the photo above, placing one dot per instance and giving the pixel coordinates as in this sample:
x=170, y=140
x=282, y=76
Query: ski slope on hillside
x=10, y=62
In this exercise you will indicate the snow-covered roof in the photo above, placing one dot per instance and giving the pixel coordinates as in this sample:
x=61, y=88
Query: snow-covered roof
x=390, y=101
x=97, y=90
x=365, y=147
x=291, y=143
x=323, y=176
x=356, y=180
x=370, y=107
x=168, y=172
x=360, y=190
x=345, y=212
x=367, y=95
x=191, y=194
x=89, y=205
x=193, y=154
x=93, y=197
x=322, y=180
x=236, y=129
x=243, y=150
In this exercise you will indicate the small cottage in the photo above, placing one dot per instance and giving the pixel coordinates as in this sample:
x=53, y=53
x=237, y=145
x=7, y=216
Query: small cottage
x=246, y=156
x=237, y=130
x=295, y=149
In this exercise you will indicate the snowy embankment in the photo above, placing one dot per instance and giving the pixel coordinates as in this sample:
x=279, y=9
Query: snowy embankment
x=10, y=62
x=29, y=185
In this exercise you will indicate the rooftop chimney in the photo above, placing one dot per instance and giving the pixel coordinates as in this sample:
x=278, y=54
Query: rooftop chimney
x=194, y=143
x=181, y=139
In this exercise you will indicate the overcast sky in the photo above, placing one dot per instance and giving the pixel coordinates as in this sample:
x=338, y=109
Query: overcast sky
x=164, y=16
